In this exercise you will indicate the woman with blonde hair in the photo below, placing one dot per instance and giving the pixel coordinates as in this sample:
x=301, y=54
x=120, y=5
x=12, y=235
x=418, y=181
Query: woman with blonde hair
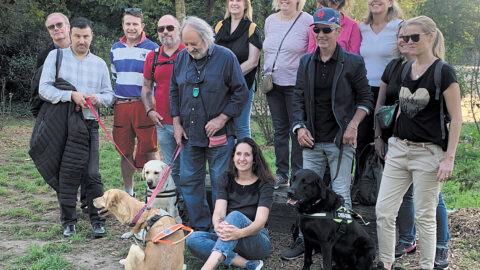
x=379, y=38
x=238, y=33
x=286, y=40
x=422, y=149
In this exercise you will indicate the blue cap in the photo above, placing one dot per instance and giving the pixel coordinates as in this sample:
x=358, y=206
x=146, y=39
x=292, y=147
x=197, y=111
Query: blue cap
x=327, y=16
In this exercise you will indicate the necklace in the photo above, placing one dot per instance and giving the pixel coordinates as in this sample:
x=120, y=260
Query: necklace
x=418, y=71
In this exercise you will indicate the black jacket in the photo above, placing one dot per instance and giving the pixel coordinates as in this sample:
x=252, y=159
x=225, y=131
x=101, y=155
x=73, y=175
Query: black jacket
x=60, y=145
x=350, y=90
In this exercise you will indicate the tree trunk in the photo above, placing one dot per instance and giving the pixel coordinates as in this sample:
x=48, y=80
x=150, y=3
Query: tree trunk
x=180, y=10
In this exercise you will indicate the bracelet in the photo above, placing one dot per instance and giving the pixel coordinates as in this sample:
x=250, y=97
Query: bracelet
x=352, y=127
x=152, y=109
x=377, y=137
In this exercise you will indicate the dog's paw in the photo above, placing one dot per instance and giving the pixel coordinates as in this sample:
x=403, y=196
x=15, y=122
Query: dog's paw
x=122, y=261
x=127, y=235
x=140, y=236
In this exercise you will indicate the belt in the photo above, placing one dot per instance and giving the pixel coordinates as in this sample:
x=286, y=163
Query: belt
x=418, y=144
x=127, y=100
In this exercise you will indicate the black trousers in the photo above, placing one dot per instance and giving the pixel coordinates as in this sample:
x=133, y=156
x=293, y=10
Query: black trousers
x=90, y=180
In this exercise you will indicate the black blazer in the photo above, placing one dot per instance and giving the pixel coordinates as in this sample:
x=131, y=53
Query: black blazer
x=350, y=90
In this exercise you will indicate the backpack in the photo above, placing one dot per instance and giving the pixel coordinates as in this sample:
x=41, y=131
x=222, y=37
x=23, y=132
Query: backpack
x=156, y=52
x=367, y=184
x=437, y=78
x=35, y=101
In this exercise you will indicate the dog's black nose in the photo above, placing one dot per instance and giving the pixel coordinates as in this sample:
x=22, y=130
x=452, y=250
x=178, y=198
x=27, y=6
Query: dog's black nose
x=290, y=194
x=149, y=182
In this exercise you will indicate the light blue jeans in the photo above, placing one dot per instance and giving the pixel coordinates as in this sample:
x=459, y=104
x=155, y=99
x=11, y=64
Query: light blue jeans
x=193, y=163
x=168, y=145
x=406, y=220
x=254, y=247
x=242, y=122
x=316, y=159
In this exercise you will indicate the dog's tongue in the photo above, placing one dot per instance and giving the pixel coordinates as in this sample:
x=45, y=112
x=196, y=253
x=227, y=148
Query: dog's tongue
x=291, y=202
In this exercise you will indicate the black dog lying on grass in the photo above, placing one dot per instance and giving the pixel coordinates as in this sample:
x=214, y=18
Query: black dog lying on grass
x=327, y=226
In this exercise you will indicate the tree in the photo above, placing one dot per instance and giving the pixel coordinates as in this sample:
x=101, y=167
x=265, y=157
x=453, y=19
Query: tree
x=180, y=10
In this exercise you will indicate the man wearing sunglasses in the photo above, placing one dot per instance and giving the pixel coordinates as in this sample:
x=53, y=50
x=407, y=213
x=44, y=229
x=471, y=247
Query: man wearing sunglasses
x=127, y=58
x=157, y=104
x=207, y=90
x=331, y=98
x=58, y=28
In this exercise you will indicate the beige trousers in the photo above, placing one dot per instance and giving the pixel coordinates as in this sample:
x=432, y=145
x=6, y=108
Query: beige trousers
x=408, y=162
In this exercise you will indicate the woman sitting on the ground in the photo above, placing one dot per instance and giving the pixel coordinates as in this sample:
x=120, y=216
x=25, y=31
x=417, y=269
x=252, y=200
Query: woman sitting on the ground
x=244, y=199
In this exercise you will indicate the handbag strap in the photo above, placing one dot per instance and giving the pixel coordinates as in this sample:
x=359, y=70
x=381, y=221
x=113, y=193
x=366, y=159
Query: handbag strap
x=281, y=42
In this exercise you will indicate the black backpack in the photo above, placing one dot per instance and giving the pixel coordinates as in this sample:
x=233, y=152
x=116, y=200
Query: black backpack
x=367, y=184
x=155, y=64
x=35, y=101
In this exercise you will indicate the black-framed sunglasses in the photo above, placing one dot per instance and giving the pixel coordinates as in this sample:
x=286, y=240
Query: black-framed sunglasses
x=133, y=10
x=169, y=28
x=325, y=30
x=57, y=25
x=414, y=37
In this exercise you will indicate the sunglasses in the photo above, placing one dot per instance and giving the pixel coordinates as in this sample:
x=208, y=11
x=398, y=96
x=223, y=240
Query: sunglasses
x=414, y=37
x=326, y=30
x=133, y=10
x=58, y=25
x=169, y=28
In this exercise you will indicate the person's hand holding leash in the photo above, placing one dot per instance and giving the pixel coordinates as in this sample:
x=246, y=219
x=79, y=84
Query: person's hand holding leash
x=79, y=98
x=93, y=99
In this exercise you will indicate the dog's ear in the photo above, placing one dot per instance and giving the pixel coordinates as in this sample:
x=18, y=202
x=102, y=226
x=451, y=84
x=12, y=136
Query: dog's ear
x=110, y=198
x=321, y=186
x=144, y=171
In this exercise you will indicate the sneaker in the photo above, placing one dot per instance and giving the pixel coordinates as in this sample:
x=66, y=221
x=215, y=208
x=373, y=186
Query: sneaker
x=254, y=265
x=441, y=258
x=402, y=248
x=280, y=181
x=98, y=231
x=69, y=231
x=295, y=251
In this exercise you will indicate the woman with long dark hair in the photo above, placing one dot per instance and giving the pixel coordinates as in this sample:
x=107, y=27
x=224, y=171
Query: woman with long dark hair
x=244, y=199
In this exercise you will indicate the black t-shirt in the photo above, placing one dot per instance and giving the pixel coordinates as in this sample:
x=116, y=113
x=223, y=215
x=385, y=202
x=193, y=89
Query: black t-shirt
x=392, y=71
x=419, y=119
x=326, y=126
x=245, y=199
x=238, y=43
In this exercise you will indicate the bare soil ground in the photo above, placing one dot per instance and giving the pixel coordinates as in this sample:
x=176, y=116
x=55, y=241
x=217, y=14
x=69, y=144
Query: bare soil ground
x=104, y=253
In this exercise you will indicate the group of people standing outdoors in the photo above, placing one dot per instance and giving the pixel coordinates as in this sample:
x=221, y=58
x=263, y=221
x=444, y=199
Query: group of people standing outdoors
x=329, y=76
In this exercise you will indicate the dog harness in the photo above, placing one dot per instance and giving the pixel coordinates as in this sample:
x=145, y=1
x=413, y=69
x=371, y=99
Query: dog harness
x=159, y=238
x=164, y=194
x=340, y=215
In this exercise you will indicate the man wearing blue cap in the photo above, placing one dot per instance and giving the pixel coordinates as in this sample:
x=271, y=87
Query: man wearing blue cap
x=331, y=98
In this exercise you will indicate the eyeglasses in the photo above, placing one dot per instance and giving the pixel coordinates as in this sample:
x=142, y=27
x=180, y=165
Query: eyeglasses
x=169, y=28
x=58, y=25
x=414, y=37
x=326, y=30
x=133, y=10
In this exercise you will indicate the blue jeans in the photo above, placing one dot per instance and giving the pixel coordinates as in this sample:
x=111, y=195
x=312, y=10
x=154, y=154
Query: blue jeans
x=316, y=160
x=168, y=145
x=242, y=122
x=253, y=247
x=406, y=220
x=192, y=179
x=280, y=104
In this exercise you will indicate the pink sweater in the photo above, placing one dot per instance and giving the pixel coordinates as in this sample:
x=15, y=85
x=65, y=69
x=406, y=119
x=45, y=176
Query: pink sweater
x=350, y=39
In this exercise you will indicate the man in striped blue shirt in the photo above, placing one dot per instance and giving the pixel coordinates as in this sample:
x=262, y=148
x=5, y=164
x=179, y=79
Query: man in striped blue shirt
x=127, y=58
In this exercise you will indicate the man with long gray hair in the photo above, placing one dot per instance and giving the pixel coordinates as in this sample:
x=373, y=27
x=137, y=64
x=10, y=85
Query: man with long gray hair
x=207, y=90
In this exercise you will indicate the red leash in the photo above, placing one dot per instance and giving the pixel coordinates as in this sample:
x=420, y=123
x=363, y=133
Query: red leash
x=166, y=172
x=90, y=105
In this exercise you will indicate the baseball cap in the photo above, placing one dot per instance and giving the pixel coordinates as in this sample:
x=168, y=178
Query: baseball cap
x=327, y=16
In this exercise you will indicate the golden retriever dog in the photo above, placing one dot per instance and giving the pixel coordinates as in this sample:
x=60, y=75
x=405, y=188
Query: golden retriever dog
x=154, y=256
x=166, y=198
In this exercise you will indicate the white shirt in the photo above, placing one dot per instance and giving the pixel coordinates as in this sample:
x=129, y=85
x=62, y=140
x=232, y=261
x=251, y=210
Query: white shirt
x=377, y=49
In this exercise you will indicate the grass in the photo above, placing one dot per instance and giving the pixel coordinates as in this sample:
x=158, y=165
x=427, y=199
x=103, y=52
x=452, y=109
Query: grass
x=20, y=185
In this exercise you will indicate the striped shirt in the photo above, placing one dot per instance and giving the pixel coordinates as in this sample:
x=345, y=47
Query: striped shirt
x=89, y=75
x=127, y=66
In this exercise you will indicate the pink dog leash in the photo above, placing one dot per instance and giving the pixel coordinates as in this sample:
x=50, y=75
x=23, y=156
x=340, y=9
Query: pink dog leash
x=165, y=174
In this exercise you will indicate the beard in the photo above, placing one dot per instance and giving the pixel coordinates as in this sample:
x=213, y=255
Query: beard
x=168, y=41
x=197, y=54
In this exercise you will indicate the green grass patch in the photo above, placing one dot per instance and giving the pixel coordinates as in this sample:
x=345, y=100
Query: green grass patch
x=46, y=257
x=4, y=191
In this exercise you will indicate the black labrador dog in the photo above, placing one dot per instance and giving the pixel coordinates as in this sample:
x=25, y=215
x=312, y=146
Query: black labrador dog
x=327, y=226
